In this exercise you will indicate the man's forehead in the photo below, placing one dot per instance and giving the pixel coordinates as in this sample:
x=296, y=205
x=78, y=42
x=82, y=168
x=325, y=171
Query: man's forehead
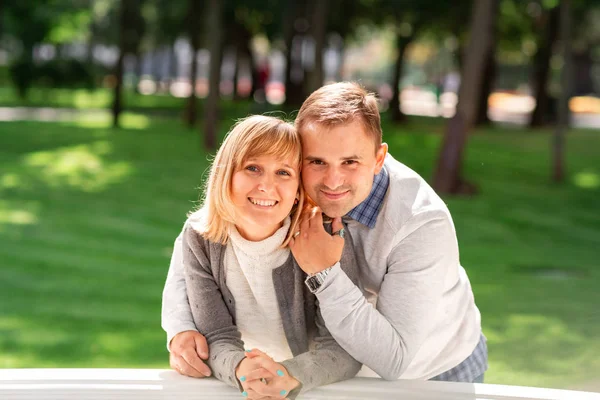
x=315, y=127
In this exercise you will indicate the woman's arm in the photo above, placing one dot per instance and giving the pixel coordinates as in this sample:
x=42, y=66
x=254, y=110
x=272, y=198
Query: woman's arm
x=327, y=363
x=211, y=315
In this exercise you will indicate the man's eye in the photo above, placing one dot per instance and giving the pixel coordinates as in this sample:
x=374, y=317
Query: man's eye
x=317, y=162
x=350, y=162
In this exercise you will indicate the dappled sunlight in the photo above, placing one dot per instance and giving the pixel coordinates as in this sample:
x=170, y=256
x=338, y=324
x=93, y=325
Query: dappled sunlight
x=587, y=180
x=80, y=167
x=23, y=345
x=548, y=348
x=90, y=99
x=10, y=181
x=103, y=119
x=21, y=214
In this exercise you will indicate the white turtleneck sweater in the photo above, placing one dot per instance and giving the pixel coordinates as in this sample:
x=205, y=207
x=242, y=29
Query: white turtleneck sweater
x=249, y=267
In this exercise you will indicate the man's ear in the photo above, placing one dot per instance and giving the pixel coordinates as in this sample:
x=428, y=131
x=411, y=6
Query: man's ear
x=380, y=157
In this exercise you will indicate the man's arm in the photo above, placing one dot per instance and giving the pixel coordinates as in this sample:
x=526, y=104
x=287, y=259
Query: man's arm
x=187, y=347
x=176, y=314
x=327, y=363
x=387, y=338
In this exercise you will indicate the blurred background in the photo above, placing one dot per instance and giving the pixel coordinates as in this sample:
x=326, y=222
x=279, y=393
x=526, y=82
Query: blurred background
x=110, y=111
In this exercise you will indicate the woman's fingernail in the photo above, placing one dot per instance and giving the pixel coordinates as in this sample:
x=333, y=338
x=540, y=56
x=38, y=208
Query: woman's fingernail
x=283, y=392
x=280, y=372
x=248, y=351
x=243, y=379
x=245, y=394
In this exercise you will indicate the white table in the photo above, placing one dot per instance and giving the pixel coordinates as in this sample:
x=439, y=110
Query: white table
x=156, y=384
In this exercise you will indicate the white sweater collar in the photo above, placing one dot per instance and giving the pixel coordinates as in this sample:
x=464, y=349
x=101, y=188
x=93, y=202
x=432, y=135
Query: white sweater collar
x=262, y=248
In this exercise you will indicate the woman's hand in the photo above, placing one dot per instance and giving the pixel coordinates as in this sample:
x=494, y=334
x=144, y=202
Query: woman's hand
x=263, y=378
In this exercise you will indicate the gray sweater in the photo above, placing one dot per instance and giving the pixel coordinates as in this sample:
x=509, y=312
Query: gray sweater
x=213, y=310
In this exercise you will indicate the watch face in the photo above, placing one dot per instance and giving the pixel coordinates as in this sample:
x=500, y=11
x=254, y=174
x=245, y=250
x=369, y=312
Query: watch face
x=313, y=283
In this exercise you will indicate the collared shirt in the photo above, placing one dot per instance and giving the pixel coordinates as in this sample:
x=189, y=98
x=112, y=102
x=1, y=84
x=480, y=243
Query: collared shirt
x=471, y=369
x=366, y=212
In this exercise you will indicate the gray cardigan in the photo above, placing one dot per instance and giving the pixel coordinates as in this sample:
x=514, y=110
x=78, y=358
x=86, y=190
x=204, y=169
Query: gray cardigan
x=213, y=309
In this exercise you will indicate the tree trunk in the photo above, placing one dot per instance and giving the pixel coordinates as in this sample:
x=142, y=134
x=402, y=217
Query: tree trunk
x=191, y=112
x=139, y=64
x=193, y=35
x=558, y=143
x=293, y=89
x=541, y=70
x=211, y=109
x=402, y=43
x=173, y=67
x=487, y=85
x=117, y=106
x=447, y=178
x=583, y=83
x=319, y=32
x=252, y=64
x=236, y=74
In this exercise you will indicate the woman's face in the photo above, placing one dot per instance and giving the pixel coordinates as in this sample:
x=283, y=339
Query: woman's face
x=263, y=191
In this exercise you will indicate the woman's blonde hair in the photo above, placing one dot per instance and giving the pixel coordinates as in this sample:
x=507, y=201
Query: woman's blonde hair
x=253, y=136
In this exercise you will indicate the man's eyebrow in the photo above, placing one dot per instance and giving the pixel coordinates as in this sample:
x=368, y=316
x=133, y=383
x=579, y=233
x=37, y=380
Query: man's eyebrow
x=352, y=157
x=312, y=158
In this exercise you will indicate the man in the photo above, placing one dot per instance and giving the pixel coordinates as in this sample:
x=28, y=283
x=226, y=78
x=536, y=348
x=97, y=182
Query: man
x=414, y=315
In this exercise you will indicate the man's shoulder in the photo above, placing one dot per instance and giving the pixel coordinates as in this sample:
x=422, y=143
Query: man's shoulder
x=409, y=194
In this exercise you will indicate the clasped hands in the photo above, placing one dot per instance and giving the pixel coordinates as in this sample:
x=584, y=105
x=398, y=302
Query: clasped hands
x=263, y=378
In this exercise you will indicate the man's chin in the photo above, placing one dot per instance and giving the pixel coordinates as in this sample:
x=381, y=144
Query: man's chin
x=333, y=212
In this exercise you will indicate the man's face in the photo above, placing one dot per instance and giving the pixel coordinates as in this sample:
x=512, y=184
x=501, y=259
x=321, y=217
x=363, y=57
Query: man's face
x=339, y=165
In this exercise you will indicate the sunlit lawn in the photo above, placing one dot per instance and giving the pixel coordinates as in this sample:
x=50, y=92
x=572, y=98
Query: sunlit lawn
x=88, y=216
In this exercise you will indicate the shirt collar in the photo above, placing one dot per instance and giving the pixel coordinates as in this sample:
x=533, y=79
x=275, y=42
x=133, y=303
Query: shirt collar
x=366, y=212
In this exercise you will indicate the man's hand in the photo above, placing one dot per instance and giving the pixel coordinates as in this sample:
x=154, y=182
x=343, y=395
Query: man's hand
x=263, y=378
x=313, y=248
x=188, y=349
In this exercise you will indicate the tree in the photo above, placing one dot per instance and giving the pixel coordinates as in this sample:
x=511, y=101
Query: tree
x=194, y=15
x=211, y=106
x=129, y=39
x=562, y=125
x=547, y=24
x=318, y=31
x=448, y=176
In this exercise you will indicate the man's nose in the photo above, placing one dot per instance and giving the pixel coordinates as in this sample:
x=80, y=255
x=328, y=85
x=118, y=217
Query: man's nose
x=334, y=178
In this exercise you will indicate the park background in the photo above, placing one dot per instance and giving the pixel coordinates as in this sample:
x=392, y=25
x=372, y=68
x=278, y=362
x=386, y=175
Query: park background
x=104, y=146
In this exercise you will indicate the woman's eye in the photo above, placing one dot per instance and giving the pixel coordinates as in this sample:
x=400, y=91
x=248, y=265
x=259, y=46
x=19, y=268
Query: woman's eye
x=284, y=172
x=252, y=168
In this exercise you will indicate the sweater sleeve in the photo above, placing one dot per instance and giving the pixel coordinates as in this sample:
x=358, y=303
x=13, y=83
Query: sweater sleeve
x=386, y=338
x=327, y=363
x=210, y=313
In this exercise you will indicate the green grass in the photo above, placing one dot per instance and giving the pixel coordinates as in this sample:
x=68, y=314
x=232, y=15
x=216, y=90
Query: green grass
x=88, y=216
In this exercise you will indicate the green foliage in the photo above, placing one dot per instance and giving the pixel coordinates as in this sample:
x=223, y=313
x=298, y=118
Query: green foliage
x=57, y=73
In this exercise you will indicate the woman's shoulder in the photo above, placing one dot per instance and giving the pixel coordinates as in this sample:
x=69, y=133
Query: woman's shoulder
x=196, y=221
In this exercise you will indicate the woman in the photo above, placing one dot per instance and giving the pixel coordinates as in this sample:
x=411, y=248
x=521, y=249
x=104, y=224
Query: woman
x=244, y=287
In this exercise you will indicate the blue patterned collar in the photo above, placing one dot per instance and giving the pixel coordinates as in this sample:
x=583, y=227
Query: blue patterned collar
x=366, y=212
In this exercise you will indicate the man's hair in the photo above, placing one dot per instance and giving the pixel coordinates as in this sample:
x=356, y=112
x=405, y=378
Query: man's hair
x=340, y=104
x=251, y=137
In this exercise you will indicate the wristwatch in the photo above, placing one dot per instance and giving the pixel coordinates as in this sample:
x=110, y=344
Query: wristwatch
x=314, y=281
